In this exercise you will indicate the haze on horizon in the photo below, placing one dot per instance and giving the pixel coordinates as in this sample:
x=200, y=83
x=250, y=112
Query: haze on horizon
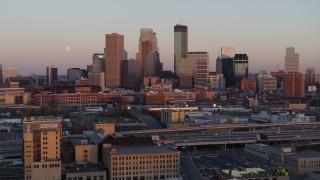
x=35, y=34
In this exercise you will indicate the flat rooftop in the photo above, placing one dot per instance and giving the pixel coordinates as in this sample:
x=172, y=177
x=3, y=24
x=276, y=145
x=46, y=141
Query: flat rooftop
x=306, y=155
x=89, y=167
x=145, y=149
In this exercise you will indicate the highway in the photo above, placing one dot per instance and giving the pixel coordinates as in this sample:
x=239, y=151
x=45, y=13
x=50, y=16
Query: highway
x=220, y=127
x=243, y=137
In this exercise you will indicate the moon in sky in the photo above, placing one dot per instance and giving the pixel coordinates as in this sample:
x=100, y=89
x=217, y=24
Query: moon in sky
x=68, y=49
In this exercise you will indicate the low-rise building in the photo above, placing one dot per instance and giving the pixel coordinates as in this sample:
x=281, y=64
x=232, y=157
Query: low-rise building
x=84, y=172
x=145, y=162
x=302, y=163
x=170, y=116
x=13, y=96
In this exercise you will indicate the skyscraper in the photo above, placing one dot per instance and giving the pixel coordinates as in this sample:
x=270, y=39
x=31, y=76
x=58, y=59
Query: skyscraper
x=180, y=44
x=291, y=63
x=310, y=76
x=227, y=65
x=202, y=72
x=153, y=66
x=52, y=74
x=218, y=65
x=240, y=68
x=42, y=140
x=147, y=43
x=131, y=74
x=114, y=56
x=1, y=75
x=98, y=63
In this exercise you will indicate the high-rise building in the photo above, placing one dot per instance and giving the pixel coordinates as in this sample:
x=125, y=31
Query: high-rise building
x=97, y=79
x=310, y=76
x=42, y=140
x=125, y=55
x=240, y=68
x=131, y=74
x=98, y=63
x=216, y=81
x=1, y=75
x=187, y=72
x=75, y=74
x=227, y=65
x=180, y=44
x=291, y=63
x=202, y=72
x=227, y=52
x=114, y=56
x=52, y=74
x=10, y=72
x=153, y=65
x=218, y=65
x=293, y=85
x=228, y=71
x=147, y=43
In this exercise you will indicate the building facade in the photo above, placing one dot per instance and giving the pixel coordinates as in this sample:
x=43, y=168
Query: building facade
x=171, y=116
x=202, y=71
x=52, y=75
x=113, y=56
x=310, y=76
x=240, y=68
x=249, y=84
x=42, y=140
x=13, y=96
x=98, y=63
x=146, y=162
x=131, y=74
x=293, y=85
x=180, y=44
x=291, y=63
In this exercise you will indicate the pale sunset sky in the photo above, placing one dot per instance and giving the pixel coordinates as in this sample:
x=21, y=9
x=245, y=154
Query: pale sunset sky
x=35, y=33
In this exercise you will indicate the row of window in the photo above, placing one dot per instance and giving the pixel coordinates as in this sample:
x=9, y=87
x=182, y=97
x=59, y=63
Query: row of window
x=145, y=167
x=144, y=157
x=87, y=178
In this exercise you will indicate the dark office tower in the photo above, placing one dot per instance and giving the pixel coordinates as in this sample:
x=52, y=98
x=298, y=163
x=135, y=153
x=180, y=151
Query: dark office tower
x=240, y=68
x=218, y=65
x=89, y=68
x=1, y=75
x=228, y=71
x=130, y=74
x=125, y=55
x=52, y=75
x=180, y=44
x=310, y=76
x=98, y=63
x=153, y=65
x=114, y=56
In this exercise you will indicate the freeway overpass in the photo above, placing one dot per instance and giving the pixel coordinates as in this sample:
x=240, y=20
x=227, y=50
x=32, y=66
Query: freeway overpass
x=202, y=129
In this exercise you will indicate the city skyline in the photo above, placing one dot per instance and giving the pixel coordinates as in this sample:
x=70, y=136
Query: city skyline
x=44, y=33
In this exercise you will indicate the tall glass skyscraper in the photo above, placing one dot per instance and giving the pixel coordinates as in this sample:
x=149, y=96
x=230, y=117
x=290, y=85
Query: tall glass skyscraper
x=180, y=44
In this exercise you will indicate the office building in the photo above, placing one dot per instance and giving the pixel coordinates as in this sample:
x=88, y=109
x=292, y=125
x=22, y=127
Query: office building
x=147, y=44
x=142, y=162
x=228, y=71
x=97, y=79
x=216, y=81
x=153, y=66
x=52, y=75
x=1, y=74
x=187, y=68
x=310, y=76
x=227, y=52
x=279, y=75
x=267, y=83
x=180, y=44
x=218, y=65
x=114, y=56
x=240, y=68
x=202, y=72
x=172, y=116
x=98, y=63
x=75, y=74
x=130, y=74
x=125, y=55
x=293, y=85
x=42, y=149
x=249, y=84
x=84, y=171
x=291, y=63
x=10, y=72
